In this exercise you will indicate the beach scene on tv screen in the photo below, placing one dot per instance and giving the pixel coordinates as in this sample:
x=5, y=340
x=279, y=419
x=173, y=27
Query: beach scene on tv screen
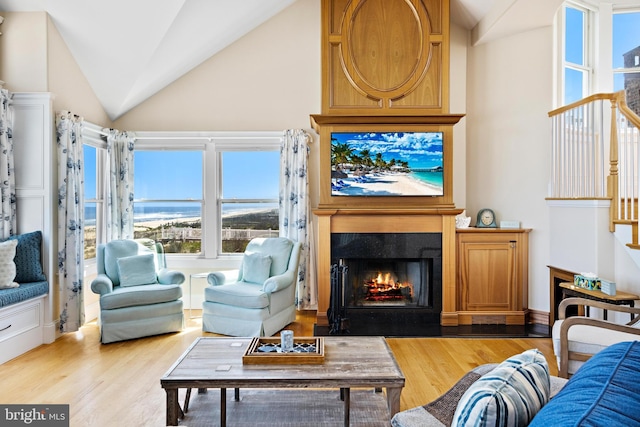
x=386, y=164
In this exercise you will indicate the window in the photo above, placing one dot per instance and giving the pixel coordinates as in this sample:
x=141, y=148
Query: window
x=94, y=150
x=168, y=198
x=90, y=202
x=626, y=56
x=599, y=50
x=206, y=194
x=576, y=54
x=249, y=197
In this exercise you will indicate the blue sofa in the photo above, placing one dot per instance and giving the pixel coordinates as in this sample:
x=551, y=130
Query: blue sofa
x=605, y=391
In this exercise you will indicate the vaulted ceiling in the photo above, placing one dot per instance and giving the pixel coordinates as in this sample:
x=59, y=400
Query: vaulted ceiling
x=130, y=50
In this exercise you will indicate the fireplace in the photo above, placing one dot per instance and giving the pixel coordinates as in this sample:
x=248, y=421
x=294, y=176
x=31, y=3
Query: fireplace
x=389, y=283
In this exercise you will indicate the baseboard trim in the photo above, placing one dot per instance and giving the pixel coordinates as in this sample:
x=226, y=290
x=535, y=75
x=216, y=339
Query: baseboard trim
x=539, y=317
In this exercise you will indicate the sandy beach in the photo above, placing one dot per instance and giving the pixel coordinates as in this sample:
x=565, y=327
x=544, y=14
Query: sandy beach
x=385, y=184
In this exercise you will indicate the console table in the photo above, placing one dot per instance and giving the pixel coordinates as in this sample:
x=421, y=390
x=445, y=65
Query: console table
x=620, y=298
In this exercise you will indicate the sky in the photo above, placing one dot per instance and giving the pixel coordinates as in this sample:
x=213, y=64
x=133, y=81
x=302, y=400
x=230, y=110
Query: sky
x=178, y=174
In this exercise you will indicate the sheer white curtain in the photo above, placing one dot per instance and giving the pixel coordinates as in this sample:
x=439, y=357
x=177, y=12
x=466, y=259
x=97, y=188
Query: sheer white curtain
x=119, y=191
x=295, y=209
x=70, y=220
x=7, y=175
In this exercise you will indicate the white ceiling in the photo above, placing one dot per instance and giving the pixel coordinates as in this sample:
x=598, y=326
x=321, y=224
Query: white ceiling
x=129, y=50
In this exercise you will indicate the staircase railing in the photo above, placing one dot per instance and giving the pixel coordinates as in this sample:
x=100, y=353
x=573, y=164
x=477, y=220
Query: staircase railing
x=594, y=154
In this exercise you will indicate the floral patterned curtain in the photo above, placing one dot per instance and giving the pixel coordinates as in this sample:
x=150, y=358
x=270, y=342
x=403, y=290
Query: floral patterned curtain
x=70, y=220
x=119, y=193
x=294, y=209
x=7, y=175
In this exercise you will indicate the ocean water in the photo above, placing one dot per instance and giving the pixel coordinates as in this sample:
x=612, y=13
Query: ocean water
x=432, y=178
x=168, y=213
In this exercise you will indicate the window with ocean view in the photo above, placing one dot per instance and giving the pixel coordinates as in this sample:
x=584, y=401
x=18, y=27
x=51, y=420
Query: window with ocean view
x=207, y=194
x=168, y=199
x=93, y=198
x=198, y=193
x=248, y=198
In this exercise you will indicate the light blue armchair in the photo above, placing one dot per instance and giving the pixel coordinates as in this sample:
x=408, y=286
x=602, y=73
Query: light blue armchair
x=139, y=296
x=260, y=301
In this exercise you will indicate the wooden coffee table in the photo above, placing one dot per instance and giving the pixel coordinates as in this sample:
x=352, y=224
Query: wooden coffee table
x=349, y=362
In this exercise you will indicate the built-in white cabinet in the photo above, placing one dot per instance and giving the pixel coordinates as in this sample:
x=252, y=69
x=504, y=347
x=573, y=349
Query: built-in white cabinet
x=34, y=322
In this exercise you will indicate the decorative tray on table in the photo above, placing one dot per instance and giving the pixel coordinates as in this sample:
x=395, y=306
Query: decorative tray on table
x=267, y=351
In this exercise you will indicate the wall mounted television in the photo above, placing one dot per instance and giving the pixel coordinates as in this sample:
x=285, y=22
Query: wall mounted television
x=392, y=164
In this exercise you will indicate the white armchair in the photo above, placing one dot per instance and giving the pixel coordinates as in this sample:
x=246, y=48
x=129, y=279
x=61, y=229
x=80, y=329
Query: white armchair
x=577, y=338
x=260, y=299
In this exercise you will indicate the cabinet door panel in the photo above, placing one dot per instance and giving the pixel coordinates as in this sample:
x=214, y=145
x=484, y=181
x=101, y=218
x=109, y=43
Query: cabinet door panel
x=487, y=281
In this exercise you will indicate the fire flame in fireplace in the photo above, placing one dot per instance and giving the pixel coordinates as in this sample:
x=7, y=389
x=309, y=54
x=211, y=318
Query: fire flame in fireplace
x=385, y=287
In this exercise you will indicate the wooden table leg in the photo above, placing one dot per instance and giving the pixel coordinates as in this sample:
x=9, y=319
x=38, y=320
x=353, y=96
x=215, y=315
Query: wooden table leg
x=223, y=407
x=346, y=393
x=186, y=400
x=393, y=400
x=172, y=406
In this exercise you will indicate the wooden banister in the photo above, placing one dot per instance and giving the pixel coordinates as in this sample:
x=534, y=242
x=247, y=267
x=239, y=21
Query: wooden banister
x=583, y=141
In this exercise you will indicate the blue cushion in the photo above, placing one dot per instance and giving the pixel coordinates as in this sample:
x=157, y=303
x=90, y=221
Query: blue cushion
x=24, y=292
x=605, y=391
x=279, y=248
x=137, y=270
x=115, y=250
x=137, y=296
x=28, y=258
x=255, y=268
x=510, y=395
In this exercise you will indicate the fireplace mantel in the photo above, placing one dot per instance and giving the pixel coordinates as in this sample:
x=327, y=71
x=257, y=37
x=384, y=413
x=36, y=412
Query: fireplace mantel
x=389, y=220
x=318, y=120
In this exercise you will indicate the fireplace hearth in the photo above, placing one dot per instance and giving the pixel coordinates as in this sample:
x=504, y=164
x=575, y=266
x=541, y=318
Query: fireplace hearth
x=388, y=283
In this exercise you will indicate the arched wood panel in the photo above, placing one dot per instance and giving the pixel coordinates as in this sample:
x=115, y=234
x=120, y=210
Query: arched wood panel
x=385, y=57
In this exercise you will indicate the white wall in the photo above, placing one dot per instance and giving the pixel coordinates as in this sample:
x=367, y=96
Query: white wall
x=509, y=93
x=23, y=51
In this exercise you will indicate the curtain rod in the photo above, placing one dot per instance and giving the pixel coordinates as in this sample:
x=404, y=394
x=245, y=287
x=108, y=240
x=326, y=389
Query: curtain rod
x=208, y=138
x=88, y=126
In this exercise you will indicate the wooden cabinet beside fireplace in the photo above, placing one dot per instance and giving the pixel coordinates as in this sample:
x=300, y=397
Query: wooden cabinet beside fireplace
x=492, y=276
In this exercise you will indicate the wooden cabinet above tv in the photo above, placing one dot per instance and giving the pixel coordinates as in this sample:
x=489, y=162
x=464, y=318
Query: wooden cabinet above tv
x=385, y=57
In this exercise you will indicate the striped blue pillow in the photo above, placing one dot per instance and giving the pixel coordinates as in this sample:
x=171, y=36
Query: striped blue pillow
x=510, y=395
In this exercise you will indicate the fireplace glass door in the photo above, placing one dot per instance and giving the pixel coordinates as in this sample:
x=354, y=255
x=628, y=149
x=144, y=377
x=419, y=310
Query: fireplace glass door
x=394, y=283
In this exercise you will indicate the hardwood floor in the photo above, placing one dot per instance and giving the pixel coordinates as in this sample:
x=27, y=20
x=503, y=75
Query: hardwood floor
x=119, y=383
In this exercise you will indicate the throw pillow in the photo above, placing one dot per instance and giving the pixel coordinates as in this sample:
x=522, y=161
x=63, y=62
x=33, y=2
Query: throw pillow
x=7, y=266
x=510, y=395
x=137, y=270
x=28, y=258
x=255, y=267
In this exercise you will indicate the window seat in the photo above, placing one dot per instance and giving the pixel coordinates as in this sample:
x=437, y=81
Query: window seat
x=22, y=309
x=24, y=292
